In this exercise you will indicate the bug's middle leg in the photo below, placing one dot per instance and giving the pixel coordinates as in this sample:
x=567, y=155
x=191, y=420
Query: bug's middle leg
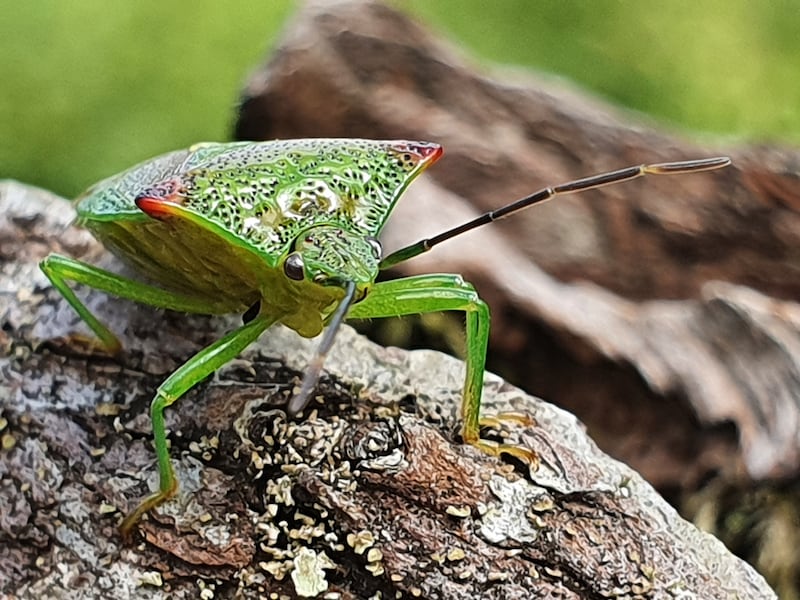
x=434, y=293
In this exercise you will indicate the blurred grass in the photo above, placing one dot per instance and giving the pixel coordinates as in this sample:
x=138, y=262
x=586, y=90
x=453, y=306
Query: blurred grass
x=90, y=87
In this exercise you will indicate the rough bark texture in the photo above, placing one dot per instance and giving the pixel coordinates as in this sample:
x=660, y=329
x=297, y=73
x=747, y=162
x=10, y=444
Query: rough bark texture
x=661, y=311
x=368, y=495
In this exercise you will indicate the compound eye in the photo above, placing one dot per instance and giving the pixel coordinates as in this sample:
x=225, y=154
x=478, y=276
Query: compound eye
x=293, y=267
x=377, y=249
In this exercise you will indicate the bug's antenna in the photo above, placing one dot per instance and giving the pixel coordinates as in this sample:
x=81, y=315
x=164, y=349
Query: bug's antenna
x=314, y=369
x=579, y=185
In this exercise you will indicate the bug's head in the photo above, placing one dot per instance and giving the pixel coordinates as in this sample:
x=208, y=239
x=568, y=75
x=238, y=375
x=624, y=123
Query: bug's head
x=329, y=255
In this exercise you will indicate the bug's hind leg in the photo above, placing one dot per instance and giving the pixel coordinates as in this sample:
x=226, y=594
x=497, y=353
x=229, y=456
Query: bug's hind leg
x=61, y=269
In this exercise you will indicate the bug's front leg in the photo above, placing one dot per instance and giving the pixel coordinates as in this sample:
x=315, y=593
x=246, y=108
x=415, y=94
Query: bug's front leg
x=200, y=366
x=434, y=293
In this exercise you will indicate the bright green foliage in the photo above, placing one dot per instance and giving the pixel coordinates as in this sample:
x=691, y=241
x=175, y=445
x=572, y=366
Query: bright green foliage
x=722, y=66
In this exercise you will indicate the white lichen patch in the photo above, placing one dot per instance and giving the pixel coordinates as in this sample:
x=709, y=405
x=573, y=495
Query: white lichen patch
x=460, y=512
x=7, y=441
x=206, y=594
x=466, y=574
x=277, y=568
x=106, y=509
x=219, y=535
x=495, y=576
x=455, y=554
x=507, y=519
x=280, y=491
x=242, y=424
x=308, y=574
x=360, y=541
x=151, y=578
x=108, y=409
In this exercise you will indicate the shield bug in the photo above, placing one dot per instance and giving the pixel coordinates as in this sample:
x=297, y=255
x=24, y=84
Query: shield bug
x=282, y=231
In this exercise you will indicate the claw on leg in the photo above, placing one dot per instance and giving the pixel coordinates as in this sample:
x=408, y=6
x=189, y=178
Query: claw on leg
x=91, y=345
x=492, y=448
x=153, y=500
x=512, y=417
x=526, y=455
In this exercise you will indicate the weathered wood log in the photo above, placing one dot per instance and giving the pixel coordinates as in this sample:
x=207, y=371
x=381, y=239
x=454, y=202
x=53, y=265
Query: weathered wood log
x=367, y=495
x=682, y=353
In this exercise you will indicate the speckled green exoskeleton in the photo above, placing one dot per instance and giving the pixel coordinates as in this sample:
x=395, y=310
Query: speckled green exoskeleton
x=282, y=231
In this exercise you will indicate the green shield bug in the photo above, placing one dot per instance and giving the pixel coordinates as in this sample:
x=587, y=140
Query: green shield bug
x=282, y=231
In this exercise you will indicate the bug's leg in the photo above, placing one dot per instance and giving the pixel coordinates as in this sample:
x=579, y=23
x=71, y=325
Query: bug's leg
x=433, y=293
x=200, y=366
x=60, y=269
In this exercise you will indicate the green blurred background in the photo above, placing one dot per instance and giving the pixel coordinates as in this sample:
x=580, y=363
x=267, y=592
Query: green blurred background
x=89, y=87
